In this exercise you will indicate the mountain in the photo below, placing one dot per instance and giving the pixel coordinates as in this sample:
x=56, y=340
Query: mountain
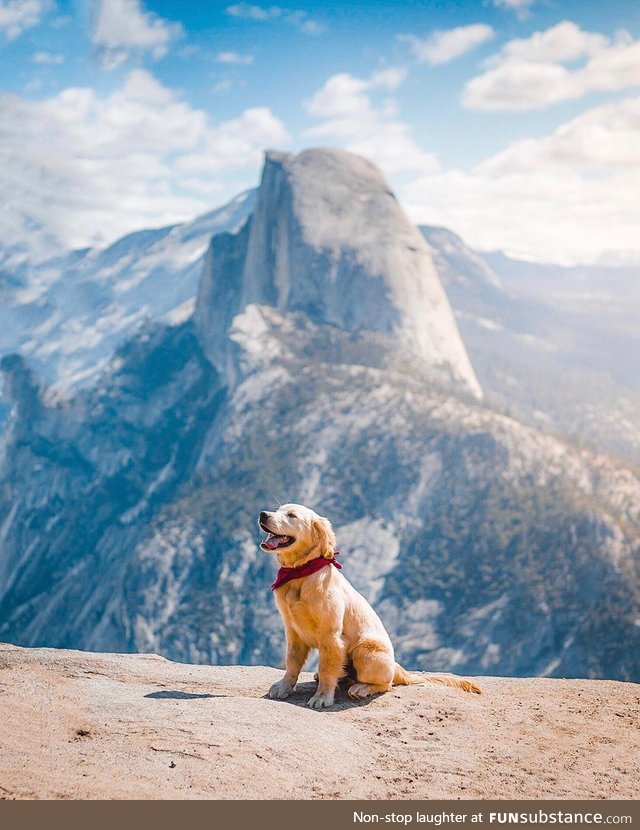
x=558, y=348
x=555, y=347
x=67, y=314
x=129, y=509
x=328, y=239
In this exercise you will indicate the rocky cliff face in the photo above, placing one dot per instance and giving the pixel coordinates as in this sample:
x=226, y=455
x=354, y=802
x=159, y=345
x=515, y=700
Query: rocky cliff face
x=328, y=239
x=128, y=512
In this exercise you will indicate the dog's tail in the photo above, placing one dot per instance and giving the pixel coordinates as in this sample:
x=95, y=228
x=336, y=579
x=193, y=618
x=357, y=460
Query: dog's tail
x=404, y=678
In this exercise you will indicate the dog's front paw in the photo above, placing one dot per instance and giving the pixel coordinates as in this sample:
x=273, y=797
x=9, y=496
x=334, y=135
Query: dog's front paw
x=321, y=701
x=280, y=690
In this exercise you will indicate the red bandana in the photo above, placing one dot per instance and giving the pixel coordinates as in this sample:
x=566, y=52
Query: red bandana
x=310, y=567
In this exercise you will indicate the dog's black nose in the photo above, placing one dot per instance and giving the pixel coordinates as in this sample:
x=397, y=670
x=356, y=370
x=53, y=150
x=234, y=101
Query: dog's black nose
x=263, y=517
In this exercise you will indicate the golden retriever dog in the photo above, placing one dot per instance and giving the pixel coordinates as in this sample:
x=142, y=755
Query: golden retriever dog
x=322, y=610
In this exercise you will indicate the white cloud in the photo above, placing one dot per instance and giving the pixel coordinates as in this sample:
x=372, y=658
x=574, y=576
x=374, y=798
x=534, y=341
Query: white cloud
x=81, y=164
x=250, y=12
x=224, y=85
x=292, y=17
x=48, y=58
x=564, y=42
x=390, y=78
x=341, y=95
x=532, y=73
x=124, y=29
x=237, y=143
x=605, y=138
x=443, y=46
x=234, y=58
x=18, y=15
x=301, y=20
x=351, y=120
x=520, y=7
x=568, y=197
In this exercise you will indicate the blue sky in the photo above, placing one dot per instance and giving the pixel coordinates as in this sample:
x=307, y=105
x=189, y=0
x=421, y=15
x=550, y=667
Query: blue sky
x=514, y=122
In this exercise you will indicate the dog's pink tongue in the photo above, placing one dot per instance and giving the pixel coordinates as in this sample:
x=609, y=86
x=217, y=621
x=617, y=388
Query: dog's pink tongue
x=273, y=541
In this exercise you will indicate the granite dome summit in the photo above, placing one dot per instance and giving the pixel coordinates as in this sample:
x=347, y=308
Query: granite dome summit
x=328, y=238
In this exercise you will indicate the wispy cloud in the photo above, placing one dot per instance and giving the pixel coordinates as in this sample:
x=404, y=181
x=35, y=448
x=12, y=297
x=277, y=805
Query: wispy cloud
x=532, y=72
x=16, y=16
x=293, y=17
x=124, y=29
x=566, y=197
x=442, y=46
x=250, y=12
x=520, y=7
x=390, y=78
x=224, y=85
x=234, y=58
x=602, y=139
x=351, y=118
x=48, y=58
x=81, y=162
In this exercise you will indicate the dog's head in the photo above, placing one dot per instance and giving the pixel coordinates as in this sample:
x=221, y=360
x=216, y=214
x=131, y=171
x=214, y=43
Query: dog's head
x=294, y=532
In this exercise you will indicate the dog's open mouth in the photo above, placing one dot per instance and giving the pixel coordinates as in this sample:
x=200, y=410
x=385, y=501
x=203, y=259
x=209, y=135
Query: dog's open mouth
x=274, y=541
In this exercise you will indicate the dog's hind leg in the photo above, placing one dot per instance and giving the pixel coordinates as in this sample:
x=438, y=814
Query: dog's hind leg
x=374, y=666
x=348, y=678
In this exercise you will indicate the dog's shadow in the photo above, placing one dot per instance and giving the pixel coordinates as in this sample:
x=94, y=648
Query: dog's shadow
x=171, y=694
x=303, y=692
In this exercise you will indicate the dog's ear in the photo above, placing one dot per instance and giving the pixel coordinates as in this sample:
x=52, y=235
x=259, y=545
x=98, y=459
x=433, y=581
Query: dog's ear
x=323, y=532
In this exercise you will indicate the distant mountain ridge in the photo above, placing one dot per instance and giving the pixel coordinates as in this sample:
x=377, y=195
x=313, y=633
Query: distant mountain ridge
x=67, y=315
x=558, y=348
x=128, y=511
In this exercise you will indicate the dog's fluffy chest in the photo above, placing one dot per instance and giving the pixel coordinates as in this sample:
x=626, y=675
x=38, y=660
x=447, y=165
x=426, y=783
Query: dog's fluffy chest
x=308, y=607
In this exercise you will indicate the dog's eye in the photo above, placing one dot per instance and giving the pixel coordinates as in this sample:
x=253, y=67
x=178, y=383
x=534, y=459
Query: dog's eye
x=291, y=516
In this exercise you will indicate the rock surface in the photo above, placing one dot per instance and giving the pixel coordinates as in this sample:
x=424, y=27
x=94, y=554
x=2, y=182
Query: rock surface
x=328, y=238
x=83, y=725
